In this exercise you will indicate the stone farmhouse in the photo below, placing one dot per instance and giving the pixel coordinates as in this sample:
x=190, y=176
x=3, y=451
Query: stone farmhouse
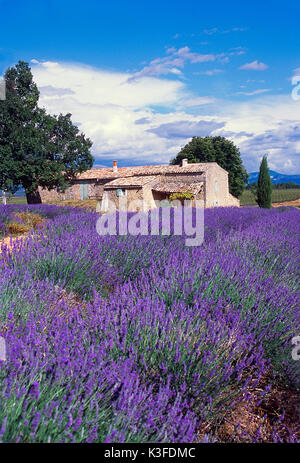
x=205, y=181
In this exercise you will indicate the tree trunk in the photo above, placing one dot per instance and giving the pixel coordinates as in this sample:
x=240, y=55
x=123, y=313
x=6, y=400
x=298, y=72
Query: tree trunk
x=33, y=197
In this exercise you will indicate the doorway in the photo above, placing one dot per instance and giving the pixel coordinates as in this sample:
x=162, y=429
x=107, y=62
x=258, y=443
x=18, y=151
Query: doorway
x=84, y=194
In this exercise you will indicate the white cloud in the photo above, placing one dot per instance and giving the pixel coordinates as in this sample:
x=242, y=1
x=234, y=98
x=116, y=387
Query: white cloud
x=295, y=79
x=143, y=119
x=170, y=64
x=210, y=72
x=198, y=101
x=114, y=113
x=186, y=129
x=215, y=30
x=96, y=87
x=236, y=29
x=212, y=31
x=273, y=121
x=186, y=54
x=255, y=92
x=48, y=90
x=254, y=66
x=177, y=58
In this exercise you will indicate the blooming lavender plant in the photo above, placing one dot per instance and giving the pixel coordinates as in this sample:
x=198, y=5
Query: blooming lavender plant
x=141, y=338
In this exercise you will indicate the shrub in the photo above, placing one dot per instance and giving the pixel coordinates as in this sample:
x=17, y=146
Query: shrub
x=181, y=196
x=16, y=228
x=30, y=219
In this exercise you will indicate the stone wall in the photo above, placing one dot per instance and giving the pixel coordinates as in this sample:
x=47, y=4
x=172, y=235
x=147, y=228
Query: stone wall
x=95, y=191
x=73, y=192
x=148, y=197
x=217, y=188
x=215, y=192
x=200, y=196
x=133, y=195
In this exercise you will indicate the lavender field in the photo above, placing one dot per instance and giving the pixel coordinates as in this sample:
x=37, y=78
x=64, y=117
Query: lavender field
x=144, y=339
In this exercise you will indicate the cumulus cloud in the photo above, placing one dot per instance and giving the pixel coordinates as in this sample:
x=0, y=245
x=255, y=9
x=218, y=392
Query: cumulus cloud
x=148, y=120
x=48, y=90
x=142, y=121
x=273, y=121
x=254, y=66
x=106, y=106
x=198, y=101
x=228, y=134
x=282, y=146
x=97, y=87
x=118, y=116
x=186, y=129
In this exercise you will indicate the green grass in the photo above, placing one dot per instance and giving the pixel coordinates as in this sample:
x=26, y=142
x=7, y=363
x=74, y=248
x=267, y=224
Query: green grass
x=85, y=203
x=247, y=197
x=16, y=200
x=278, y=196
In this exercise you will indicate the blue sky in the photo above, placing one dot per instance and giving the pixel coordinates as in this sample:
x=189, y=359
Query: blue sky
x=141, y=78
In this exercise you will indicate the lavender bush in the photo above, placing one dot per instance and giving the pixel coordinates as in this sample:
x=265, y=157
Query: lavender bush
x=142, y=339
x=47, y=211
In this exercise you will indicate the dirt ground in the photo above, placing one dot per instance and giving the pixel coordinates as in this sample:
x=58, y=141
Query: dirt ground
x=9, y=241
x=295, y=203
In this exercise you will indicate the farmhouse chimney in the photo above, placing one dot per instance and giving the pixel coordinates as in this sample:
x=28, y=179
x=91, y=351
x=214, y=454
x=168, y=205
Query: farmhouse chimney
x=184, y=162
x=115, y=166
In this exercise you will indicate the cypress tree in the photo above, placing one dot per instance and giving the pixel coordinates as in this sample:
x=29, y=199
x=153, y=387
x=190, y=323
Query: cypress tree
x=264, y=185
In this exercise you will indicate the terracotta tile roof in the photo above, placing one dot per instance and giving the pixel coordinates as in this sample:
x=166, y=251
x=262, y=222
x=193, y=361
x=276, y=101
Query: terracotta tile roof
x=105, y=173
x=131, y=181
x=177, y=187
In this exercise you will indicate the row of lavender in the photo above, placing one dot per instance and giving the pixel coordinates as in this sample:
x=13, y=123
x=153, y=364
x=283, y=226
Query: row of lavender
x=47, y=211
x=142, y=339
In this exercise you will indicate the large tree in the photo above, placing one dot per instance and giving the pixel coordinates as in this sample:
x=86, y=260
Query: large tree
x=220, y=150
x=264, y=185
x=36, y=149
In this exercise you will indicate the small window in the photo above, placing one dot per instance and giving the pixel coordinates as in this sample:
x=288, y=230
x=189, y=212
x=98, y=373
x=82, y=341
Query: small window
x=121, y=192
x=216, y=186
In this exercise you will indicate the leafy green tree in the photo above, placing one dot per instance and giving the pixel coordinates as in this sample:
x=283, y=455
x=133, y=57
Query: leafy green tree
x=264, y=185
x=36, y=149
x=220, y=150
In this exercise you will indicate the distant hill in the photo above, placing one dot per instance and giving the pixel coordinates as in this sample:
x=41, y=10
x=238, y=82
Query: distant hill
x=276, y=177
x=19, y=193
